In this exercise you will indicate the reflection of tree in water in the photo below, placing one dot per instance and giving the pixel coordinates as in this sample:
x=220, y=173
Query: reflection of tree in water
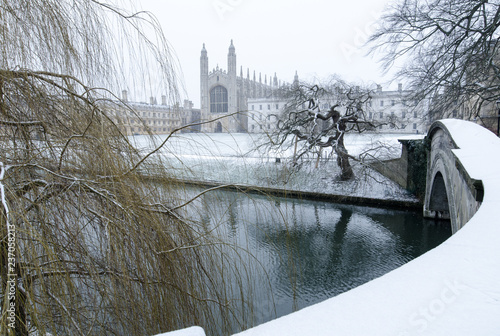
x=219, y=208
x=315, y=251
x=327, y=258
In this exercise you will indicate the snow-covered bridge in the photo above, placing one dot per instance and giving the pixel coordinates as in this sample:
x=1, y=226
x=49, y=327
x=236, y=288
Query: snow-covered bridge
x=451, y=191
x=451, y=290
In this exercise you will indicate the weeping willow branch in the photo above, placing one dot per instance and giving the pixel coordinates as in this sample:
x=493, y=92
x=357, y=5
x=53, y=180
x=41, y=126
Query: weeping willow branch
x=86, y=260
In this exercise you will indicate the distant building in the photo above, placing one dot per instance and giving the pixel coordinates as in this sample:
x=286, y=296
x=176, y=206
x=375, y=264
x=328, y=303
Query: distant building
x=190, y=116
x=394, y=111
x=263, y=114
x=224, y=92
x=391, y=111
x=142, y=118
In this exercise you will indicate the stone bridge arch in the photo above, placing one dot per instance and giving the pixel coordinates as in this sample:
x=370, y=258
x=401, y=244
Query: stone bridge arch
x=438, y=198
x=450, y=192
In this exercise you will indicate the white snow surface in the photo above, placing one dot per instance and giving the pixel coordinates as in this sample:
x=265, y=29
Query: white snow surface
x=193, y=331
x=452, y=290
x=234, y=159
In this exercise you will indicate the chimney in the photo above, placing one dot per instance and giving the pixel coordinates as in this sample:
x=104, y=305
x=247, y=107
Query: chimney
x=164, y=100
x=379, y=88
x=400, y=87
x=125, y=96
x=152, y=100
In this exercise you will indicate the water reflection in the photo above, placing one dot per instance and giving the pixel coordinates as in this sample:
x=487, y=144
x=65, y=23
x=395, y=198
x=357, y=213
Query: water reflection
x=311, y=251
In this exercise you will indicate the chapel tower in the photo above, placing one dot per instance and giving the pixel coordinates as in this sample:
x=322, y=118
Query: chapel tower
x=224, y=92
x=204, y=99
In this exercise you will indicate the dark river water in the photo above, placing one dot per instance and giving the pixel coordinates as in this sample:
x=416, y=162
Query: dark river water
x=304, y=252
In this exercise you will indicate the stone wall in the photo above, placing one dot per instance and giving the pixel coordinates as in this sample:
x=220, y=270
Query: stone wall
x=409, y=170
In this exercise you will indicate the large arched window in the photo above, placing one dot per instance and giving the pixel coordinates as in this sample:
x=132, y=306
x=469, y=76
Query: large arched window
x=218, y=99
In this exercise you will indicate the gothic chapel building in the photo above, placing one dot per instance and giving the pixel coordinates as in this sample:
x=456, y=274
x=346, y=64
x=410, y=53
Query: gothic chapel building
x=223, y=92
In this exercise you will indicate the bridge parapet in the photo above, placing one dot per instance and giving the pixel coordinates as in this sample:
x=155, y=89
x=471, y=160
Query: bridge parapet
x=451, y=193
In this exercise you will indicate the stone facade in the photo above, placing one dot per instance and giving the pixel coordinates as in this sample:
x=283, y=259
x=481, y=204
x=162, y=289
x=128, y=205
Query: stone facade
x=393, y=112
x=223, y=92
x=137, y=118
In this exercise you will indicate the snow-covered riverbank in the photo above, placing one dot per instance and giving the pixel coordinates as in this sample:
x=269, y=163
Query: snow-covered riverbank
x=235, y=159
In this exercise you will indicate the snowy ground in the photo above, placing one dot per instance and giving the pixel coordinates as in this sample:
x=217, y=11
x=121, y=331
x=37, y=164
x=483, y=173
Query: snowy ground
x=235, y=159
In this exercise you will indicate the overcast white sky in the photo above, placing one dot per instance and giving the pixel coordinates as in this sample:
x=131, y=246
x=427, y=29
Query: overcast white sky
x=316, y=38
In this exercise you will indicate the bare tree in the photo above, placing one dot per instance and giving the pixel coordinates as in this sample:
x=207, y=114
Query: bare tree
x=318, y=117
x=449, y=50
x=87, y=246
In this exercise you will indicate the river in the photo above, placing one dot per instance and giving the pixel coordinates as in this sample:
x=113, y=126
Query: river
x=303, y=252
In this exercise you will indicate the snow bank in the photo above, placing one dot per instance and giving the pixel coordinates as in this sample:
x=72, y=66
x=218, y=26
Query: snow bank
x=451, y=290
x=193, y=331
x=234, y=159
